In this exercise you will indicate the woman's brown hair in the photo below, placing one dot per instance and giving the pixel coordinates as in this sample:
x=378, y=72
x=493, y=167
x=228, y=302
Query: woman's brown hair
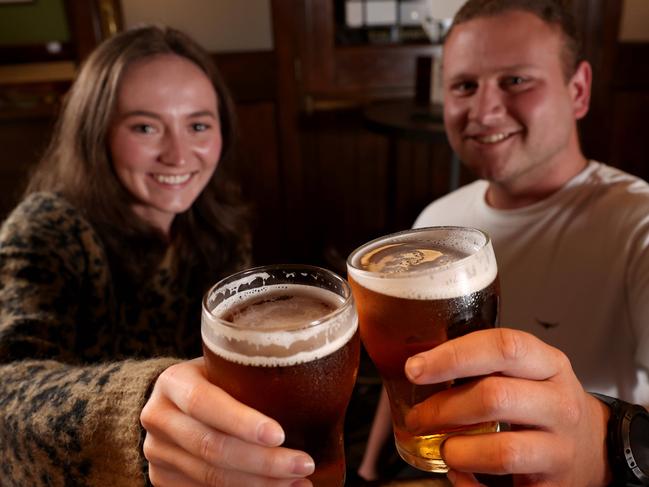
x=212, y=235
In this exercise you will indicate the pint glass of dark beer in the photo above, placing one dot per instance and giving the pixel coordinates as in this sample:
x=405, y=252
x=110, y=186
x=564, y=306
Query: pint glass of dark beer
x=413, y=291
x=284, y=340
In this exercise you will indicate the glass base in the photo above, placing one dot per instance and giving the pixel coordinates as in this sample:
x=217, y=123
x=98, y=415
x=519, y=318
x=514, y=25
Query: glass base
x=435, y=465
x=425, y=452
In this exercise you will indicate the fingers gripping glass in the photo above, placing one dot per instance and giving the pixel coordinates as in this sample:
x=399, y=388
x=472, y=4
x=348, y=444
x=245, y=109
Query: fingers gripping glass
x=415, y=290
x=284, y=340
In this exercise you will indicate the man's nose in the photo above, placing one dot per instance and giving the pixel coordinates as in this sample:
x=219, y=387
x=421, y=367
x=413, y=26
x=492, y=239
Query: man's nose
x=488, y=105
x=174, y=150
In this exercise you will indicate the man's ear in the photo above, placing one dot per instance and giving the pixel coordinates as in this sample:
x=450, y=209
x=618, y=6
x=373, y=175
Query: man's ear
x=580, y=86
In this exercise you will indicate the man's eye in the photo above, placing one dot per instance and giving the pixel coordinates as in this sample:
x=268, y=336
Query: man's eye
x=515, y=80
x=465, y=87
x=200, y=127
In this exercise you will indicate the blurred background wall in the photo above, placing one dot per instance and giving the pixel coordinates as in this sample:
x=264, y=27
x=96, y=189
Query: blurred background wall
x=320, y=178
x=222, y=25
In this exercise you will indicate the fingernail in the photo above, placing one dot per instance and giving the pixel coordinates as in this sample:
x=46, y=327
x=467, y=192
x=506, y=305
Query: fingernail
x=270, y=434
x=451, y=476
x=303, y=465
x=414, y=367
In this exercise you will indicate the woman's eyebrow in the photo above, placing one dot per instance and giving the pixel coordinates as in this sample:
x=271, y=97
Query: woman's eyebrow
x=146, y=113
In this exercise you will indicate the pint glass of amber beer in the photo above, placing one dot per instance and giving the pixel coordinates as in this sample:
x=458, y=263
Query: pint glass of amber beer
x=284, y=340
x=413, y=291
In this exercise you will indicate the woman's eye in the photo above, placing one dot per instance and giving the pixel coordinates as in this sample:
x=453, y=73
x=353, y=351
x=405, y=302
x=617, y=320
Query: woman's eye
x=143, y=128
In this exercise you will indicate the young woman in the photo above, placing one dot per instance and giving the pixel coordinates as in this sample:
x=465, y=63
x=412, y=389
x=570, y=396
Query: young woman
x=126, y=221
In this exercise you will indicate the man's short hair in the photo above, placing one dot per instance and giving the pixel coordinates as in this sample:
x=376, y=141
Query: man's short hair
x=554, y=12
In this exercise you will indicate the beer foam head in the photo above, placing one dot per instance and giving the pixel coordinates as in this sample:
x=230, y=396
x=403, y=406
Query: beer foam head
x=288, y=331
x=282, y=311
x=431, y=263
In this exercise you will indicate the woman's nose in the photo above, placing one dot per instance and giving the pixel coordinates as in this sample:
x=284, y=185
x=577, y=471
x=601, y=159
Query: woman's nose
x=174, y=151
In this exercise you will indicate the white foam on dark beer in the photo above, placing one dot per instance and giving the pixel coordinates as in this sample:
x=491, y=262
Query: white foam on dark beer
x=336, y=333
x=457, y=278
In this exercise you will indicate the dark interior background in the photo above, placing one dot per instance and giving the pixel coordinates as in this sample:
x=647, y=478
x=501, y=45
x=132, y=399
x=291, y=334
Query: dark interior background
x=315, y=174
x=318, y=178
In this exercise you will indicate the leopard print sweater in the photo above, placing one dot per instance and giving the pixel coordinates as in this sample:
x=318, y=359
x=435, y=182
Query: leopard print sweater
x=77, y=354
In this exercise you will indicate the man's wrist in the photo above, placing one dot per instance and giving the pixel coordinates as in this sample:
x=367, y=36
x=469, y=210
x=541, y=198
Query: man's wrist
x=627, y=442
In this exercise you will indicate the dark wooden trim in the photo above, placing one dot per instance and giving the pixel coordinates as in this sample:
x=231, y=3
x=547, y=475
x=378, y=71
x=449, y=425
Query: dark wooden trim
x=287, y=18
x=632, y=66
x=91, y=21
x=600, y=24
x=317, y=42
x=362, y=72
x=36, y=53
x=249, y=75
x=32, y=100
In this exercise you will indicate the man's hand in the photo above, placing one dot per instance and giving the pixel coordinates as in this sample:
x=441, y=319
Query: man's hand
x=558, y=430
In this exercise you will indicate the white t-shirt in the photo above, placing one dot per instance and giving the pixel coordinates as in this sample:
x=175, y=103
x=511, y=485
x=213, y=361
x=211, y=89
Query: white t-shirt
x=574, y=271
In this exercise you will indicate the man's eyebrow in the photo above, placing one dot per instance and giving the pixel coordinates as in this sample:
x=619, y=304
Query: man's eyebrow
x=515, y=67
x=463, y=75
x=203, y=113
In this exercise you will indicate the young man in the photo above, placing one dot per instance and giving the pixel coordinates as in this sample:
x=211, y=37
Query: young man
x=571, y=238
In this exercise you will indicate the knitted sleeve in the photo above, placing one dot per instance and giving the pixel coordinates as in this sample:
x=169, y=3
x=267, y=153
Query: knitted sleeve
x=68, y=417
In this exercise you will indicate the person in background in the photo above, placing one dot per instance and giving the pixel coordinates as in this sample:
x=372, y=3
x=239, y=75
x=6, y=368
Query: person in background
x=571, y=238
x=127, y=220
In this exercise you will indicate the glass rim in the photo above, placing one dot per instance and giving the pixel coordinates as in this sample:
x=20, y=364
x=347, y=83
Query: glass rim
x=345, y=305
x=415, y=272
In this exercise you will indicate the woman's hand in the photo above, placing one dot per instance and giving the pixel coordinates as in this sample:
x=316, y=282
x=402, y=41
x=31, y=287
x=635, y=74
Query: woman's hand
x=558, y=430
x=198, y=435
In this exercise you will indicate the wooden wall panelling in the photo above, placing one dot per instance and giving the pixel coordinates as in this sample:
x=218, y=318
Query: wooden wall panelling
x=25, y=127
x=258, y=170
x=22, y=138
x=347, y=181
x=287, y=15
x=612, y=130
x=631, y=69
x=91, y=21
x=344, y=178
x=599, y=21
x=423, y=175
x=250, y=76
x=27, y=115
x=629, y=147
x=365, y=72
x=321, y=90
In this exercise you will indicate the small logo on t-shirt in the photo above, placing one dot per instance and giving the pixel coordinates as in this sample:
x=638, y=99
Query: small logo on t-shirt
x=546, y=324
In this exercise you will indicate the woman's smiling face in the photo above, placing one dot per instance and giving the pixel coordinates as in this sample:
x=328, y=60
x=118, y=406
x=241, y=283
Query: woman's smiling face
x=165, y=136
